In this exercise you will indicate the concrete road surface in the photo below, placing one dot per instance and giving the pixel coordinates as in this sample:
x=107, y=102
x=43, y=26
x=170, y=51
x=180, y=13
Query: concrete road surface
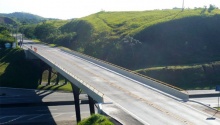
x=142, y=102
x=21, y=106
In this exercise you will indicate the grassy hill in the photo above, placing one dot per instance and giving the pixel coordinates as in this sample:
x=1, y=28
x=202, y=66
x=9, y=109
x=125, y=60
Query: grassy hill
x=143, y=39
x=26, y=18
x=196, y=76
x=7, y=21
x=146, y=39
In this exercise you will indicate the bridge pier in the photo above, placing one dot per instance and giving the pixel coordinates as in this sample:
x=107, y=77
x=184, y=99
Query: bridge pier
x=58, y=78
x=41, y=77
x=49, y=75
x=65, y=81
x=91, y=105
x=76, y=92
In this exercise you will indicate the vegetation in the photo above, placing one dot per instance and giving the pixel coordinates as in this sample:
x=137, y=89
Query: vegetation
x=96, y=119
x=139, y=40
x=7, y=21
x=24, y=17
x=129, y=39
x=217, y=108
x=16, y=71
x=5, y=37
x=197, y=76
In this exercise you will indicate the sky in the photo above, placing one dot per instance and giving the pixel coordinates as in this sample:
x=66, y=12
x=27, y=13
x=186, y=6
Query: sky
x=68, y=9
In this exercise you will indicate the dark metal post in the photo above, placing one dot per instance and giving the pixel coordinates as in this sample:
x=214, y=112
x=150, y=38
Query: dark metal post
x=58, y=78
x=49, y=75
x=76, y=92
x=91, y=105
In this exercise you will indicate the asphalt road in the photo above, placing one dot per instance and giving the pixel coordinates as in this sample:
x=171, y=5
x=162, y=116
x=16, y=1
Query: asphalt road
x=21, y=106
x=146, y=104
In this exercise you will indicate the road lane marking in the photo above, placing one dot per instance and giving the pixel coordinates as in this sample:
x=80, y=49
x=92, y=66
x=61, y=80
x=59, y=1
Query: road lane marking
x=12, y=120
x=7, y=117
x=36, y=117
x=57, y=115
x=132, y=95
x=52, y=109
x=153, y=105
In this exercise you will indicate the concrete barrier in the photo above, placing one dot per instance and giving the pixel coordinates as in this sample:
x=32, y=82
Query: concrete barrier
x=29, y=55
x=166, y=88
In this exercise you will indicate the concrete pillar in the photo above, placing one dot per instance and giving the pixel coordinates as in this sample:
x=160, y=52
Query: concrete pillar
x=76, y=92
x=49, y=75
x=91, y=105
x=65, y=81
x=41, y=77
x=58, y=78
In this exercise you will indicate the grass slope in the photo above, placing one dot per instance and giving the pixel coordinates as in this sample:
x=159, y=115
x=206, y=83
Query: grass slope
x=168, y=37
x=15, y=71
x=138, y=40
x=197, y=76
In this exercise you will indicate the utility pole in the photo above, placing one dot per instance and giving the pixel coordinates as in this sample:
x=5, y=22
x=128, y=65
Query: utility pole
x=183, y=6
x=16, y=31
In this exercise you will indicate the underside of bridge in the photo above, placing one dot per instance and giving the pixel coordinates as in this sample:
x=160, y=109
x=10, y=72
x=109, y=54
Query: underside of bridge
x=76, y=90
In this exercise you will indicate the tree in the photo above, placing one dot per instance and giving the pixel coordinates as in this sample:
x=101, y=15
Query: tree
x=211, y=8
x=28, y=31
x=44, y=30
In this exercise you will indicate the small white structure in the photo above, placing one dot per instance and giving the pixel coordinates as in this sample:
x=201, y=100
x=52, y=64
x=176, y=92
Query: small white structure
x=14, y=45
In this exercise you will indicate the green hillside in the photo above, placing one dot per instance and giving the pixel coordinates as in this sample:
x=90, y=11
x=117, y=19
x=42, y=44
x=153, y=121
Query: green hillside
x=26, y=18
x=140, y=39
x=196, y=76
x=144, y=39
x=7, y=21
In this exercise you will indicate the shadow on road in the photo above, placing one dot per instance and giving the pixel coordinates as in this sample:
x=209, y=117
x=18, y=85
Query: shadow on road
x=22, y=106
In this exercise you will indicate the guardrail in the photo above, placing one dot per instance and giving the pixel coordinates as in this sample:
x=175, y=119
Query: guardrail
x=66, y=71
x=134, y=75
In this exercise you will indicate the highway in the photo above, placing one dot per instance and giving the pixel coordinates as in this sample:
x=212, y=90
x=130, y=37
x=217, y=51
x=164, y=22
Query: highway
x=144, y=103
x=27, y=106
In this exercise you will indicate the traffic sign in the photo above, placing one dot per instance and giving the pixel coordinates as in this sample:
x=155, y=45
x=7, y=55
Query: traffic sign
x=217, y=88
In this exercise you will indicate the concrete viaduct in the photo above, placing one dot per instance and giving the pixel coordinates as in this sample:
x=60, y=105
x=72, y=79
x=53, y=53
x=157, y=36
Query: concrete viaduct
x=139, y=97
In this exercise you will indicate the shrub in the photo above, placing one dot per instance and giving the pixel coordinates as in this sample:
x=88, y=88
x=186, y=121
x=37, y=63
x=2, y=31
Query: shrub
x=96, y=119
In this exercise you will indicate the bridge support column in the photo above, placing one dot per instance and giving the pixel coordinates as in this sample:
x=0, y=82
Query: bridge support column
x=91, y=105
x=65, y=81
x=58, y=78
x=41, y=77
x=76, y=92
x=49, y=75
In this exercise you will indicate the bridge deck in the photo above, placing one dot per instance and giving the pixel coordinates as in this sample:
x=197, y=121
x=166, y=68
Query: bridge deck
x=144, y=103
